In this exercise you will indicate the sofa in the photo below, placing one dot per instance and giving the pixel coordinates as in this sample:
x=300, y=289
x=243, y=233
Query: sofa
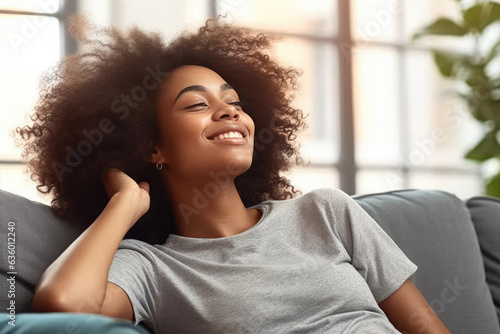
x=454, y=242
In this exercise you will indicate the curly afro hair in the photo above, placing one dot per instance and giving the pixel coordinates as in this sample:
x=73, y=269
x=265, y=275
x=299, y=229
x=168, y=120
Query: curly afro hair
x=97, y=110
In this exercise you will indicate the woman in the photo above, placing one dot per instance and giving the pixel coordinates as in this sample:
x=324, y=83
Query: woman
x=192, y=136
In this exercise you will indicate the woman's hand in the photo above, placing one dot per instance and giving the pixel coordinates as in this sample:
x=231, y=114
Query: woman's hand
x=77, y=281
x=120, y=185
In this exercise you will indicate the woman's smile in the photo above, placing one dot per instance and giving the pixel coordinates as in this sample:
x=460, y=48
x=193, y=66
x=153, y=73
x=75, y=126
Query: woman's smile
x=231, y=134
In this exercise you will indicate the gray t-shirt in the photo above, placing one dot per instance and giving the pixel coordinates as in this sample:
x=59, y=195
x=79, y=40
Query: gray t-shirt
x=314, y=264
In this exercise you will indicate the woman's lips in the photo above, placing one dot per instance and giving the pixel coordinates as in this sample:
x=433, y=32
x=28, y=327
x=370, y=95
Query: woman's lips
x=229, y=140
x=228, y=131
x=230, y=134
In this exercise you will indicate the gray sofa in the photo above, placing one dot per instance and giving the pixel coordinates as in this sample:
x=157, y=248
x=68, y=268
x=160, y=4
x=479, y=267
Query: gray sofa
x=455, y=243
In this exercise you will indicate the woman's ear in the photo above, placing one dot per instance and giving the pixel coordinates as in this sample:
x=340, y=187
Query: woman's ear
x=157, y=156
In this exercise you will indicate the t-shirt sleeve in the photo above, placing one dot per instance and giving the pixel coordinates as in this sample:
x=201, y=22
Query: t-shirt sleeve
x=373, y=253
x=134, y=270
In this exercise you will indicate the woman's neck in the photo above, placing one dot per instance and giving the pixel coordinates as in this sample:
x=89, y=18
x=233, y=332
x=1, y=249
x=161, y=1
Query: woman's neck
x=210, y=210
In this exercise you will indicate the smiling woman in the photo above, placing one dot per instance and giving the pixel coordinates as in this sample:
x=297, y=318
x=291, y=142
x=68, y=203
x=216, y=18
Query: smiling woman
x=235, y=249
x=93, y=90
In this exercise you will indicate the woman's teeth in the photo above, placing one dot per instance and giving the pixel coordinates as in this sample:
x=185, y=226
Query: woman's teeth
x=231, y=134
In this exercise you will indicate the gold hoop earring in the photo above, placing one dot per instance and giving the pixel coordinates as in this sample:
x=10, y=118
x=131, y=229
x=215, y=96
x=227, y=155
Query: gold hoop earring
x=159, y=166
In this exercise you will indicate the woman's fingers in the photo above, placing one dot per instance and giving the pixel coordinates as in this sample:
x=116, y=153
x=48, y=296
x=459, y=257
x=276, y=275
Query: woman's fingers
x=144, y=185
x=115, y=180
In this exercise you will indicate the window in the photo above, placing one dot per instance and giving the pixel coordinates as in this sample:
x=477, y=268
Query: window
x=380, y=115
x=31, y=41
x=410, y=132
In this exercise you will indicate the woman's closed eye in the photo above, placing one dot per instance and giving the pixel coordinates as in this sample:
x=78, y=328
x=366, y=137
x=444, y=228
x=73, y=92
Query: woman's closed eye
x=203, y=104
x=237, y=104
x=199, y=104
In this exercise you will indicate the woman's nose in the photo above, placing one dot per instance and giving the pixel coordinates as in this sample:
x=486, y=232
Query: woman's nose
x=226, y=112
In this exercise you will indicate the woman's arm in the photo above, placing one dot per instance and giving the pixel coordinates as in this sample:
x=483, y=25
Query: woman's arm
x=410, y=313
x=78, y=280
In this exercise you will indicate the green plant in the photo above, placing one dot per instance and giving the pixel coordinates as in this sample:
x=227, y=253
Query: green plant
x=472, y=73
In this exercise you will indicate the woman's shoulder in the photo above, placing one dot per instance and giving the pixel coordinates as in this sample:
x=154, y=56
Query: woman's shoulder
x=325, y=196
x=328, y=193
x=139, y=246
x=330, y=199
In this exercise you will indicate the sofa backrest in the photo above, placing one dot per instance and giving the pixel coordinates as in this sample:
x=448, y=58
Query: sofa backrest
x=435, y=231
x=485, y=213
x=37, y=237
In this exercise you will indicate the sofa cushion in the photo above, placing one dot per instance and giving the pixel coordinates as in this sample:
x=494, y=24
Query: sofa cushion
x=485, y=214
x=43, y=323
x=39, y=237
x=434, y=230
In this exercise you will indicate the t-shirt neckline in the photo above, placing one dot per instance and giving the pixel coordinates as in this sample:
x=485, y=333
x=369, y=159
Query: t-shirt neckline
x=262, y=207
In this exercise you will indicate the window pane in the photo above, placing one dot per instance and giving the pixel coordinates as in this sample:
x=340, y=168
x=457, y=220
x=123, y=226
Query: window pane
x=441, y=128
x=23, y=59
x=167, y=17
x=306, y=179
x=318, y=95
x=39, y=6
x=376, y=104
x=375, y=20
x=462, y=185
x=14, y=179
x=373, y=181
x=287, y=16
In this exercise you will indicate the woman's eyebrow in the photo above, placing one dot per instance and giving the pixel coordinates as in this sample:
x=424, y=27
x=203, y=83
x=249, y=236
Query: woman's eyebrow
x=226, y=86
x=200, y=88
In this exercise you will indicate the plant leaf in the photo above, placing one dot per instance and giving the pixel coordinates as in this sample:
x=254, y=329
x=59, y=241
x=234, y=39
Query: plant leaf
x=446, y=62
x=494, y=14
x=493, y=186
x=474, y=16
x=485, y=109
x=442, y=26
x=482, y=15
x=486, y=149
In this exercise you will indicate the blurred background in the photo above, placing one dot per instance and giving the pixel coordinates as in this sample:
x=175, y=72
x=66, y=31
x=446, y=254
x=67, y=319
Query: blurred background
x=381, y=116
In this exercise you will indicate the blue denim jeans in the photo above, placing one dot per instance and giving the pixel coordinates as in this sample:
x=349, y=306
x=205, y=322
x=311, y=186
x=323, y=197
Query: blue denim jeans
x=66, y=323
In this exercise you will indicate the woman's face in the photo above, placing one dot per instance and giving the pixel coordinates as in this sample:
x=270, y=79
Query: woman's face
x=203, y=128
